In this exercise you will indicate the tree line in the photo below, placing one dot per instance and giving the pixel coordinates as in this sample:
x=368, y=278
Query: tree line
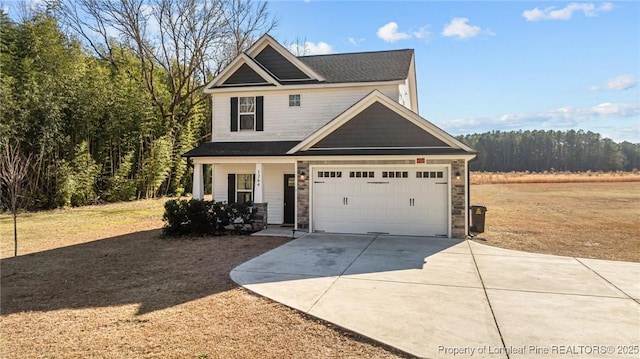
x=105, y=96
x=539, y=150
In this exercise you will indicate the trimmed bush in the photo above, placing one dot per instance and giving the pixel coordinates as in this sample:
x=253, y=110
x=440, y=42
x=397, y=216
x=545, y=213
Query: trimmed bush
x=198, y=217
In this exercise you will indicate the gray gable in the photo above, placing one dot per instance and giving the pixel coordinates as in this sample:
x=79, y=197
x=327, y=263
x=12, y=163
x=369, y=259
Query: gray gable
x=279, y=66
x=362, y=66
x=245, y=75
x=378, y=126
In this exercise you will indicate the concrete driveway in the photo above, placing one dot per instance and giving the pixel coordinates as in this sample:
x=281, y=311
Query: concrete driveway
x=443, y=298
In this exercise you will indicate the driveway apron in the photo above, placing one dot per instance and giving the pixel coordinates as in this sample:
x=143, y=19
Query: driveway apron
x=445, y=298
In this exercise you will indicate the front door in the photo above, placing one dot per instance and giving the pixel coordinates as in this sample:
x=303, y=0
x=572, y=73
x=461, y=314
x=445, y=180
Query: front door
x=289, y=198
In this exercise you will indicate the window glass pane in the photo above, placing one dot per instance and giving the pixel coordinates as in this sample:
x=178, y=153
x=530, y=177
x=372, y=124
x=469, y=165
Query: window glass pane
x=320, y=174
x=246, y=122
x=247, y=104
x=244, y=197
x=440, y=174
x=339, y=174
x=418, y=174
x=244, y=182
x=294, y=100
x=371, y=175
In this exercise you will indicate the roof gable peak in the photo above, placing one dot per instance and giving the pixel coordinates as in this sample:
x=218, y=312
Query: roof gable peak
x=238, y=64
x=267, y=41
x=372, y=98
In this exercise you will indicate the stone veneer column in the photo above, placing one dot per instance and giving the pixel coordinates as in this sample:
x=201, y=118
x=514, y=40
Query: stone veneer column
x=303, y=195
x=458, y=200
x=260, y=218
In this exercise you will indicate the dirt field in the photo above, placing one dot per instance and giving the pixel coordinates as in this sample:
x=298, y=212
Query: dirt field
x=100, y=293
x=552, y=177
x=592, y=220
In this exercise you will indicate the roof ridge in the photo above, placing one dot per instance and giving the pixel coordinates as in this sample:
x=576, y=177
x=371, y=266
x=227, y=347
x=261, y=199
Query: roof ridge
x=355, y=53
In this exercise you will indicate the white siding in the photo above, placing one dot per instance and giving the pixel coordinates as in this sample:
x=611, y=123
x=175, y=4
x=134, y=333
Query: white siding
x=274, y=190
x=273, y=185
x=221, y=172
x=404, y=98
x=284, y=123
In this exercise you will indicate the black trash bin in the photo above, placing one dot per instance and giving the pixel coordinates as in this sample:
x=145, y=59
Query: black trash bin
x=477, y=219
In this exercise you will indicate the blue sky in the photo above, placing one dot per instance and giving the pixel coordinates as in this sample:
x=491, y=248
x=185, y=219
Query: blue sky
x=485, y=66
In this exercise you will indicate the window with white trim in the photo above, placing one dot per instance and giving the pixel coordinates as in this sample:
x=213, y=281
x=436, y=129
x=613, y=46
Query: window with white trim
x=247, y=113
x=244, y=188
x=294, y=100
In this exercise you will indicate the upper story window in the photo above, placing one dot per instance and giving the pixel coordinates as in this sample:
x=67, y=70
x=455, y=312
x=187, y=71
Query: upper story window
x=294, y=100
x=247, y=112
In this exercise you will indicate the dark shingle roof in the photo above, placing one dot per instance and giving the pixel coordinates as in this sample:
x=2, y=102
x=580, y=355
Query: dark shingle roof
x=224, y=149
x=361, y=66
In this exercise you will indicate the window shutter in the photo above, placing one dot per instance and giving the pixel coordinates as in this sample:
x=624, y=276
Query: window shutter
x=231, y=190
x=259, y=113
x=234, y=114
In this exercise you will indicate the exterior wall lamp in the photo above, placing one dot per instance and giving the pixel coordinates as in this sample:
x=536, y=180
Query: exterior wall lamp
x=303, y=175
x=458, y=175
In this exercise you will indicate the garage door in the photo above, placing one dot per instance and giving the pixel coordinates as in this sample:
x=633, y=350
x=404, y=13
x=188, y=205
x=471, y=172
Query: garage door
x=395, y=200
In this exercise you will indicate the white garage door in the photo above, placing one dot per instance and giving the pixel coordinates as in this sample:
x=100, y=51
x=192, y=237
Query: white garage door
x=395, y=200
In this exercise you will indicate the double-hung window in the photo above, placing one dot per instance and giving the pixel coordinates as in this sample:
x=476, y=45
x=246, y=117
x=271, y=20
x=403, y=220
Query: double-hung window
x=247, y=112
x=244, y=188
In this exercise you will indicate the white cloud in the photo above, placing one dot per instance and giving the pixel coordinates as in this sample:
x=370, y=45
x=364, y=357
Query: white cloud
x=389, y=33
x=615, y=109
x=355, y=42
x=565, y=13
x=622, y=82
x=459, y=28
x=311, y=48
x=566, y=117
x=422, y=33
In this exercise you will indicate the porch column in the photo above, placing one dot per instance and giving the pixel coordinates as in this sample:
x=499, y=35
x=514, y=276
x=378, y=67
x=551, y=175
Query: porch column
x=258, y=191
x=213, y=182
x=198, y=182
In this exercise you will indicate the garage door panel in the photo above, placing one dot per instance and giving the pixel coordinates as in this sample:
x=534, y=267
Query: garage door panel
x=404, y=201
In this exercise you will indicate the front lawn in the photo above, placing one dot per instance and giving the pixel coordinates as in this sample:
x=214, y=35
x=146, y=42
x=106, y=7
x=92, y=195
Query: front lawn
x=100, y=281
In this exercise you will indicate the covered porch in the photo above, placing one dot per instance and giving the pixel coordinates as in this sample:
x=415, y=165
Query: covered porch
x=269, y=182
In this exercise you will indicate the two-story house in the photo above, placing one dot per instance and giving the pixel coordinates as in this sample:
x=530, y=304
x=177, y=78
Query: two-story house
x=333, y=143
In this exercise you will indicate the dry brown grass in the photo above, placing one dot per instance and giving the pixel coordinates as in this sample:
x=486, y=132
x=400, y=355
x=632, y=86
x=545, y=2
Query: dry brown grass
x=99, y=292
x=593, y=220
x=552, y=177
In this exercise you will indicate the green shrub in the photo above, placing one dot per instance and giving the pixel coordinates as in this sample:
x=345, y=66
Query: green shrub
x=198, y=217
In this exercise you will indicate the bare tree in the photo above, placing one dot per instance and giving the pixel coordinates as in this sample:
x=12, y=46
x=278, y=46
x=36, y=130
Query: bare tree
x=179, y=44
x=188, y=41
x=14, y=171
